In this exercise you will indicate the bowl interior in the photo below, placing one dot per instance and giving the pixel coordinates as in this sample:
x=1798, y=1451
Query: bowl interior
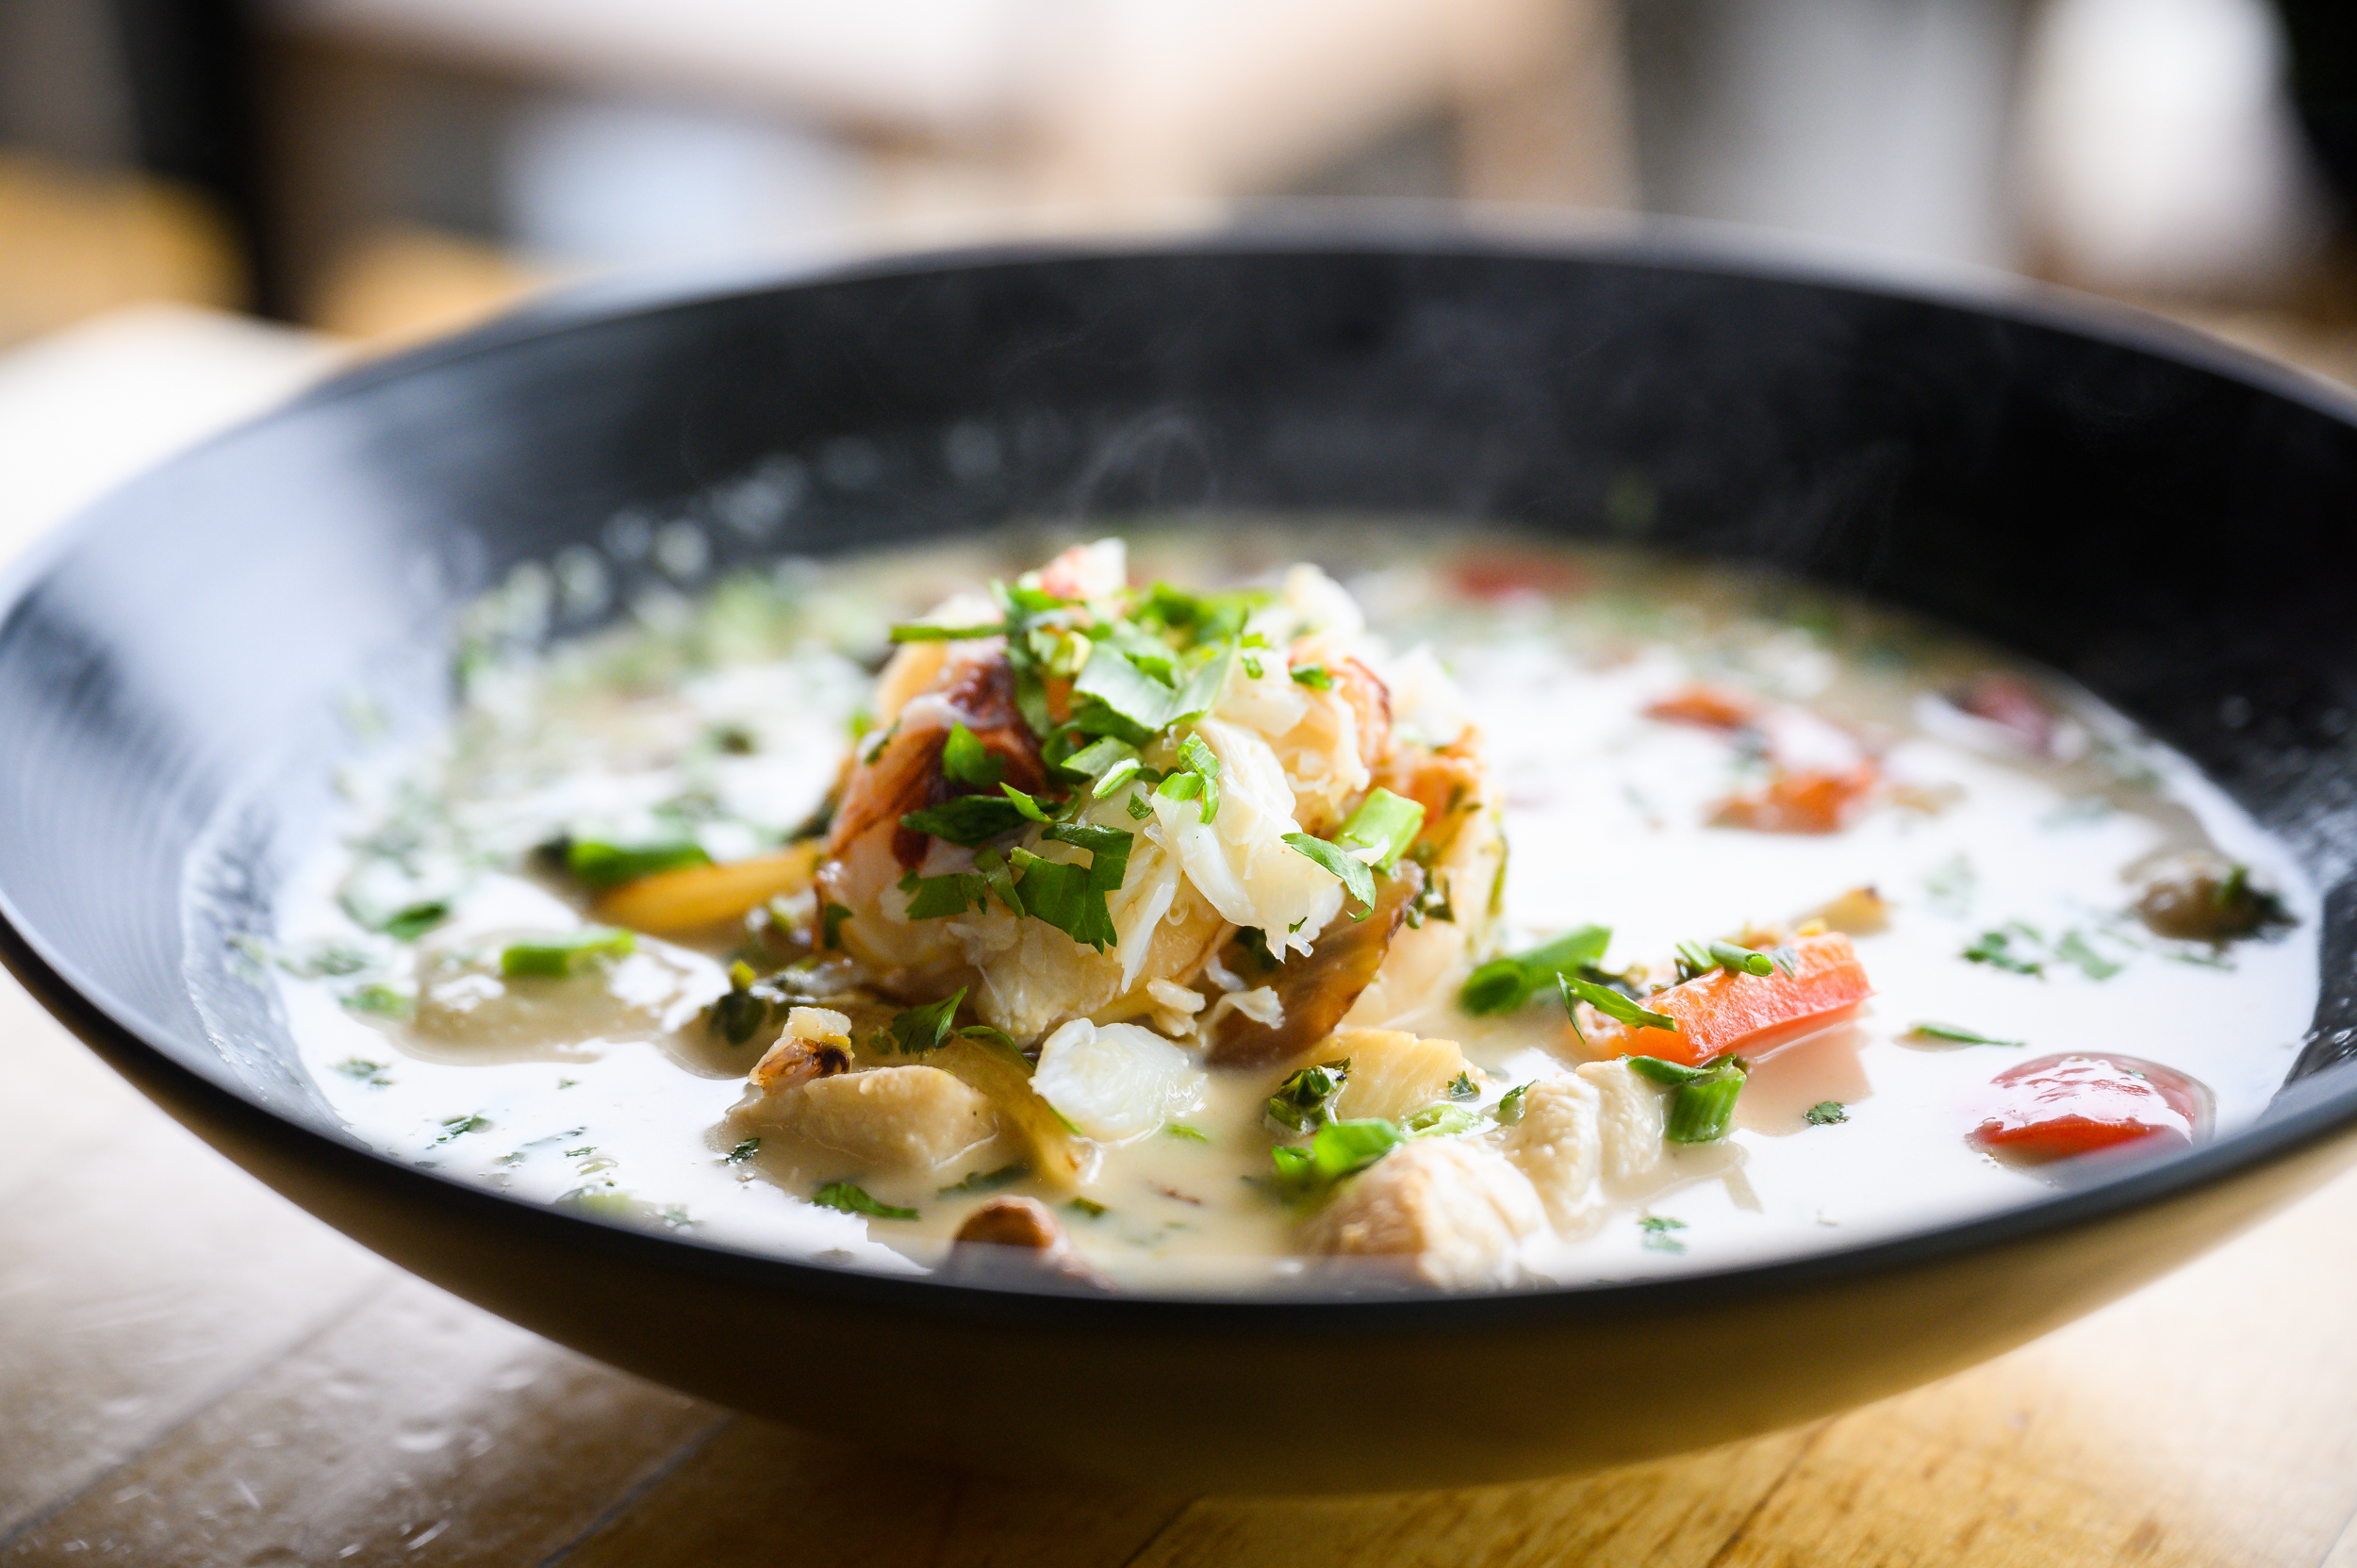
x=2154, y=518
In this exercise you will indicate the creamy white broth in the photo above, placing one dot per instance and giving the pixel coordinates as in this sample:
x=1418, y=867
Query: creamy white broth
x=1605, y=814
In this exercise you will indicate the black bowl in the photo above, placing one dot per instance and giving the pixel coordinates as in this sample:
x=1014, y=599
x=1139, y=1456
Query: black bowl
x=2166, y=520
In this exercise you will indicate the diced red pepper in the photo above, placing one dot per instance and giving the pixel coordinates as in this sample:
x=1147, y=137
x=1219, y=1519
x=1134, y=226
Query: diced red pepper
x=1706, y=707
x=1724, y=1013
x=2058, y=1106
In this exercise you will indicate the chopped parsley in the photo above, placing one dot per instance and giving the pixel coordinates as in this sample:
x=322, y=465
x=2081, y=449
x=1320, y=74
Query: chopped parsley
x=1504, y=984
x=1508, y=1109
x=2013, y=948
x=1825, y=1112
x=1657, y=1228
x=557, y=957
x=965, y=760
x=967, y=820
x=2077, y=949
x=853, y=1199
x=1463, y=1087
x=736, y=1156
x=454, y=1127
x=378, y=1001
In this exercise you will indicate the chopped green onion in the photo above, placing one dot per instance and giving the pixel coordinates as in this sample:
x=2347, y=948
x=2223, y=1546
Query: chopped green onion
x=1090, y=1207
x=556, y=957
x=1504, y=984
x=853, y=1199
x=1114, y=777
x=1030, y=808
x=1702, y=1107
x=1185, y=1134
x=1090, y=761
x=411, y=921
x=1357, y=879
x=1383, y=821
x=1611, y=1003
x=1671, y=1073
x=917, y=631
x=1441, y=1121
x=1732, y=958
x=600, y=863
x=1961, y=1036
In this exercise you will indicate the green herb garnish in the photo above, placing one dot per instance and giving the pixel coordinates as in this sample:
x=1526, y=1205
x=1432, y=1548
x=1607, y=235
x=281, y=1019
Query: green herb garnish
x=1337, y=1151
x=1357, y=879
x=1825, y=1112
x=1961, y=1036
x=921, y=1031
x=1304, y=1101
x=1385, y=822
x=830, y=925
x=603, y=863
x=411, y=921
x=1997, y=949
x=1657, y=1228
x=1504, y=984
x=742, y=1153
x=917, y=631
x=1185, y=1134
x=557, y=957
x=2077, y=949
x=1705, y=1104
x=1508, y=1109
x=853, y=1199
x=967, y=820
x=987, y=1181
x=965, y=760
x=1463, y=1087
x=1314, y=676
x=1088, y=1206
x=1609, y=1003
x=1441, y=1121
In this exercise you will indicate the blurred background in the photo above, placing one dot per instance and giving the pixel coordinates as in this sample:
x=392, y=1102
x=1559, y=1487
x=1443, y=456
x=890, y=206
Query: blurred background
x=377, y=170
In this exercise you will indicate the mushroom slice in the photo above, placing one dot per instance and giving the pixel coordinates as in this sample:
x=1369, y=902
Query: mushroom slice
x=1316, y=990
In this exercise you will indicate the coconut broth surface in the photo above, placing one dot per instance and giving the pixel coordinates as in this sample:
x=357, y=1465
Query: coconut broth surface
x=1556, y=653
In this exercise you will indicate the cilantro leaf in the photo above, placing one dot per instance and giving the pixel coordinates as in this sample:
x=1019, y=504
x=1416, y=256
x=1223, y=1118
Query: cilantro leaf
x=1357, y=879
x=967, y=820
x=555, y=957
x=967, y=761
x=853, y=1199
x=920, y=1030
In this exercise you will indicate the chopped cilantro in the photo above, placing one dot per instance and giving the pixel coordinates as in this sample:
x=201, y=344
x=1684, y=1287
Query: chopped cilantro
x=987, y=1181
x=738, y=1155
x=1314, y=676
x=411, y=921
x=362, y=1069
x=1304, y=1101
x=2077, y=949
x=1504, y=984
x=556, y=957
x=967, y=820
x=1825, y=1112
x=853, y=1199
x=1997, y=949
x=1657, y=1228
x=965, y=760
x=1071, y=897
x=921, y=1031
x=1463, y=1087
x=1338, y=1150
x=1088, y=1206
x=952, y=893
x=1508, y=1109
x=830, y=925
x=453, y=1126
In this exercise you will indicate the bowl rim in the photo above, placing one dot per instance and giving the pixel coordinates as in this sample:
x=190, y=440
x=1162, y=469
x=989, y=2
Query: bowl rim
x=2304, y=1114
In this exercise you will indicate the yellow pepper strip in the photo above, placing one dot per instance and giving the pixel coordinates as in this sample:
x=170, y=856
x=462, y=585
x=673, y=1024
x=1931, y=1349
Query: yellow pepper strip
x=697, y=898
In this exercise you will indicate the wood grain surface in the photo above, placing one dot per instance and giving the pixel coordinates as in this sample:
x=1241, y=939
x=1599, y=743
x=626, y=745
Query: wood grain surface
x=194, y=1372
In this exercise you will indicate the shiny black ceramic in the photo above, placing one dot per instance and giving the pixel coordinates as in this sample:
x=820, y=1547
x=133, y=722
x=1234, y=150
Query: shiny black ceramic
x=2171, y=523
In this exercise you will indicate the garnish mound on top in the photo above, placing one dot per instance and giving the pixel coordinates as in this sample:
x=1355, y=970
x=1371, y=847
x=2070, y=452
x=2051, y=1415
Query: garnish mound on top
x=1231, y=816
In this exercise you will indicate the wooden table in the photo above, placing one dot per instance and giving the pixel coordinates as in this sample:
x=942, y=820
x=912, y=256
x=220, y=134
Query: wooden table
x=194, y=1372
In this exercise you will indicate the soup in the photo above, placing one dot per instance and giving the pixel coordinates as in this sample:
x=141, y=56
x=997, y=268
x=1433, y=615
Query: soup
x=1178, y=913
